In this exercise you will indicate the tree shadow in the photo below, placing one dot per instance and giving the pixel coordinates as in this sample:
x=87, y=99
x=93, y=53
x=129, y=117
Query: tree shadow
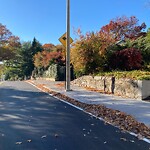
x=27, y=114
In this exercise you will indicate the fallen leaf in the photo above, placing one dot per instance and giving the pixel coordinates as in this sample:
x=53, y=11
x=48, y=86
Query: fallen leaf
x=115, y=117
x=18, y=143
x=56, y=135
x=29, y=141
x=132, y=141
x=106, y=122
x=44, y=136
x=140, y=137
x=123, y=139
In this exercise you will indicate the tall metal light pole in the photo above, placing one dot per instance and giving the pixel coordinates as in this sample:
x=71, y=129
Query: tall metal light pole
x=68, y=47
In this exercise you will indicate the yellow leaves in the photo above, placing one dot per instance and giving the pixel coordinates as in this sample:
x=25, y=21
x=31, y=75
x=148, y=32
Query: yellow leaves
x=85, y=51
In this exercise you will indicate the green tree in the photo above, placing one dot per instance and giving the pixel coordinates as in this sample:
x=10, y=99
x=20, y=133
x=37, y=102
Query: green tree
x=25, y=59
x=36, y=47
x=143, y=43
x=22, y=65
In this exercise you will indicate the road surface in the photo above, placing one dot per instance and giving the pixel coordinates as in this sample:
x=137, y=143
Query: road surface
x=33, y=120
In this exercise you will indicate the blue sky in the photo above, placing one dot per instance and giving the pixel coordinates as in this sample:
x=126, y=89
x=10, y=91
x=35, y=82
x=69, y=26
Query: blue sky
x=46, y=19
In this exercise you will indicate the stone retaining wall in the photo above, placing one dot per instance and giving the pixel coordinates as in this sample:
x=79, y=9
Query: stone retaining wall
x=135, y=89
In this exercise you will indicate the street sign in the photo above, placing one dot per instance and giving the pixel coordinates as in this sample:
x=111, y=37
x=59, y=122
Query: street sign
x=63, y=39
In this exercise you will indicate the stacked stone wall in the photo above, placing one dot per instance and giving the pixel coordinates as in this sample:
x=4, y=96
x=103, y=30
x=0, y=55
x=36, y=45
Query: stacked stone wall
x=122, y=87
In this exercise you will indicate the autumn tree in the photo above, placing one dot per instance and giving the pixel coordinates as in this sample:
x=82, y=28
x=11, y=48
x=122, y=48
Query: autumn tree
x=44, y=59
x=6, y=37
x=126, y=59
x=49, y=47
x=62, y=49
x=6, y=53
x=85, y=55
x=119, y=29
x=8, y=43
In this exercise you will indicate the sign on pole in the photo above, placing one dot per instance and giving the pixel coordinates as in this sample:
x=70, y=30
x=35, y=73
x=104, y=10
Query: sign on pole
x=63, y=39
x=66, y=40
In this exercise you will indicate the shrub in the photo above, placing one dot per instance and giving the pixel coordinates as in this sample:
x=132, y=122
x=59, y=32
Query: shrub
x=127, y=59
x=135, y=74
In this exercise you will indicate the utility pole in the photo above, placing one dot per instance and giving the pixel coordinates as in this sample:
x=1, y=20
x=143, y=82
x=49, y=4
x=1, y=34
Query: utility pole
x=68, y=47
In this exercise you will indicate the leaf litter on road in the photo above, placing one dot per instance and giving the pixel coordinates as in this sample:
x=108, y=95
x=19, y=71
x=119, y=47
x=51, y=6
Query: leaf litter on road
x=115, y=117
x=123, y=139
x=132, y=141
x=18, y=143
x=29, y=141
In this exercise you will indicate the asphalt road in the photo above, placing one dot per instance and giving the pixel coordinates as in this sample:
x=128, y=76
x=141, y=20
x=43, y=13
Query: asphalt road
x=33, y=120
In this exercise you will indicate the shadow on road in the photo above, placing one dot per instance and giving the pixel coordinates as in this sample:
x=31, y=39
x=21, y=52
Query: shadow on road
x=33, y=120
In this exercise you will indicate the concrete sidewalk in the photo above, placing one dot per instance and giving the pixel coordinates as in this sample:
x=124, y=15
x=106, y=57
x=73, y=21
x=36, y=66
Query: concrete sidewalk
x=140, y=110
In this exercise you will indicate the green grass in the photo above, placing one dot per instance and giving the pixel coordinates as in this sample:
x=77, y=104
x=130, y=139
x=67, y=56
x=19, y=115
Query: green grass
x=136, y=74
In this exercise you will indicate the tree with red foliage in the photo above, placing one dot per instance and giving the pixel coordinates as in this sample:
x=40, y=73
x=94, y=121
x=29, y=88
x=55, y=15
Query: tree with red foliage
x=8, y=43
x=121, y=28
x=127, y=59
x=44, y=59
x=49, y=47
x=6, y=37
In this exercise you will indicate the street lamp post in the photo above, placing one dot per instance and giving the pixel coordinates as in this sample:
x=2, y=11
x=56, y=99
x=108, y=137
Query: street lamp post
x=68, y=47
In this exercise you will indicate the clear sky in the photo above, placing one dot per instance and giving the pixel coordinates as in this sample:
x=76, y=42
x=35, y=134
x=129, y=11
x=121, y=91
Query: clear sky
x=46, y=19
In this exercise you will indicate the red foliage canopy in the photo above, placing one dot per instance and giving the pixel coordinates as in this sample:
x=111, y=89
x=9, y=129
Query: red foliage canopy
x=122, y=28
x=127, y=59
x=45, y=58
x=6, y=37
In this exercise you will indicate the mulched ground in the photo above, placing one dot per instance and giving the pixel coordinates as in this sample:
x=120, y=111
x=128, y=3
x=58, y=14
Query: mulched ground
x=115, y=117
